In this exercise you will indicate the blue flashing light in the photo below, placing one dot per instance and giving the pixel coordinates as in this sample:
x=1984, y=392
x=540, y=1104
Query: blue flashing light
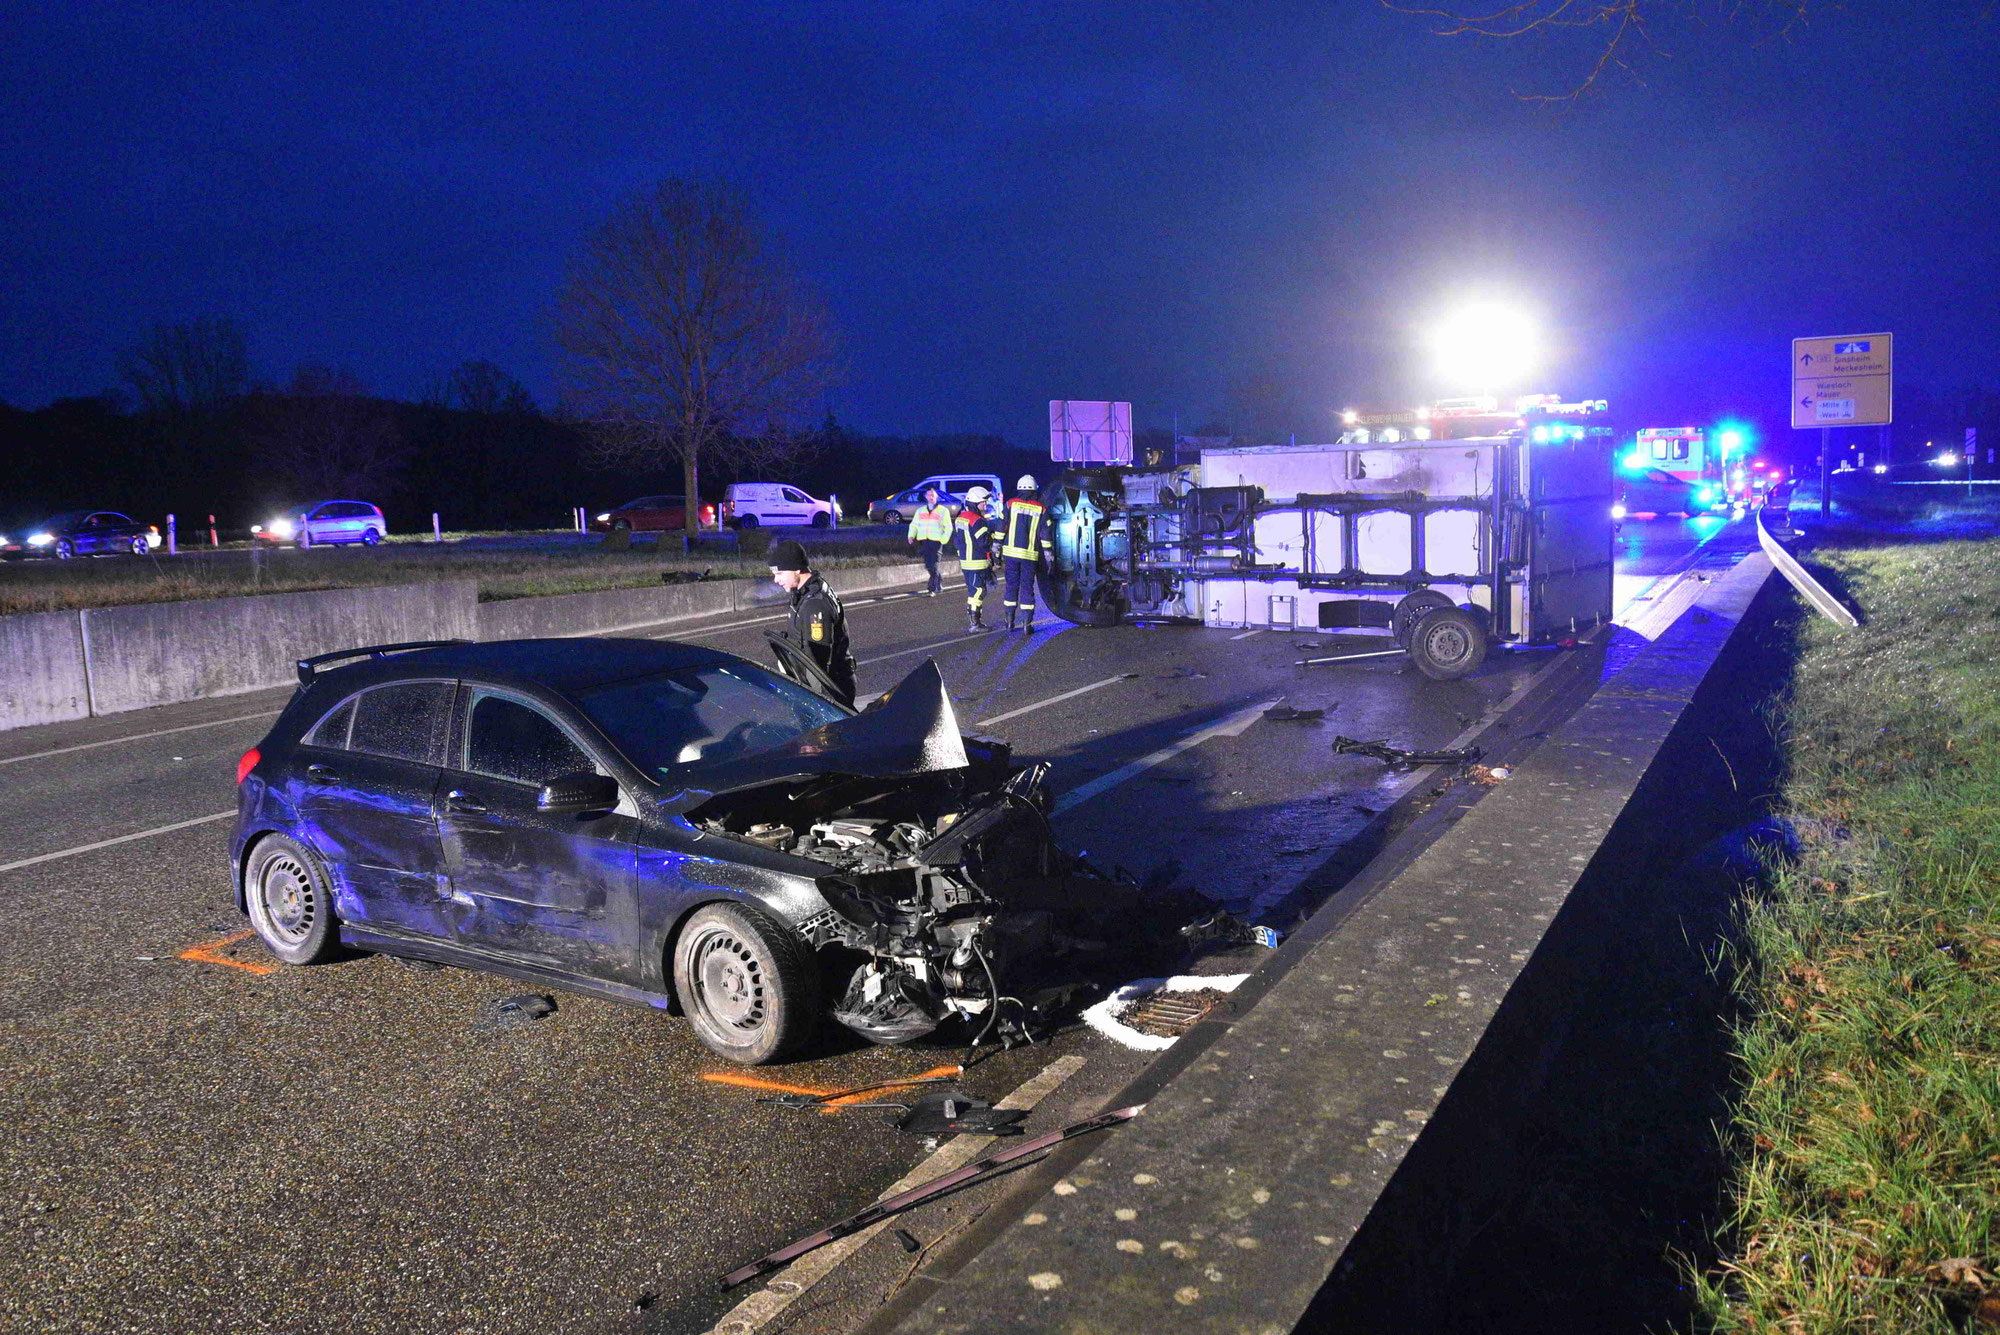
x=1635, y=461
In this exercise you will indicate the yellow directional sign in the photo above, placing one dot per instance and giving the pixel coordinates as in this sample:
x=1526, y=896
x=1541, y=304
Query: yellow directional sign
x=1844, y=381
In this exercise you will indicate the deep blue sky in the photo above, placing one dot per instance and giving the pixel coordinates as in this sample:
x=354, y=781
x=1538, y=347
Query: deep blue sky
x=1005, y=204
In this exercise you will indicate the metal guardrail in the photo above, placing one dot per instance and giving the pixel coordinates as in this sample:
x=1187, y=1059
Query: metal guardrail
x=1779, y=508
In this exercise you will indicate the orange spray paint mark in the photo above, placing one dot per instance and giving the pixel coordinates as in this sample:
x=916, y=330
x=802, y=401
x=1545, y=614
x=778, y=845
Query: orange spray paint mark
x=205, y=954
x=832, y=1104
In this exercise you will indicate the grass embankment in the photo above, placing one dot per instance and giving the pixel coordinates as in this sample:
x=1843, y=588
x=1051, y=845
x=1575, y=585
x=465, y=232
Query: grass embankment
x=502, y=573
x=1868, y=1194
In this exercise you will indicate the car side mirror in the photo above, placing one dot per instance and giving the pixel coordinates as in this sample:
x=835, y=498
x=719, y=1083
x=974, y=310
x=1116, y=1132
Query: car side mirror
x=575, y=794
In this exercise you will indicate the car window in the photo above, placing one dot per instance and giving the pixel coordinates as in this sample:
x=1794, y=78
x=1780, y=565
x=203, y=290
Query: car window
x=331, y=731
x=676, y=721
x=405, y=721
x=511, y=740
x=792, y=494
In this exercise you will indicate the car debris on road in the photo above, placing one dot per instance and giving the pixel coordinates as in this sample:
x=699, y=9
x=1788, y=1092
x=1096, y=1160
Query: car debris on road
x=1396, y=755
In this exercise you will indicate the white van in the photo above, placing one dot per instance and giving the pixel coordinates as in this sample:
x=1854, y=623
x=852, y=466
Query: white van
x=750, y=504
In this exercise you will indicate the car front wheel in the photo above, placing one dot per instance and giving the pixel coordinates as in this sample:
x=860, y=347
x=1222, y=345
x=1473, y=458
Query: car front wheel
x=140, y=547
x=65, y=549
x=822, y=519
x=290, y=902
x=370, y=537
x=748, y=984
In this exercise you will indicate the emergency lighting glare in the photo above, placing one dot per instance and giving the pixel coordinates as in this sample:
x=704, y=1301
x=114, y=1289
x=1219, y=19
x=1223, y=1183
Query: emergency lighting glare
x=1946, y=460
x=1485, y=347
x=1731, y=442
x=1635, y=461
x=1881, y=468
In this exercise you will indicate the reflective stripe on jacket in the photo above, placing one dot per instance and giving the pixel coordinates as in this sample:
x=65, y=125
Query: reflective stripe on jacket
x=973, y=540
x=931, y=524
x=1027, y=536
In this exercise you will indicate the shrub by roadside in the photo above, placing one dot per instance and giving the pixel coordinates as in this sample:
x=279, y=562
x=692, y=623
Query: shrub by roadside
x=1867, y=1195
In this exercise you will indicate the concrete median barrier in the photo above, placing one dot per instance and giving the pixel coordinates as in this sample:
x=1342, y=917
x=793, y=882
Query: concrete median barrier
x=615, y=610
x=44, y=680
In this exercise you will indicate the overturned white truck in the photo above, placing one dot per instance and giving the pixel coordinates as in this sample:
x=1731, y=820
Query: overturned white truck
x=1449, y=545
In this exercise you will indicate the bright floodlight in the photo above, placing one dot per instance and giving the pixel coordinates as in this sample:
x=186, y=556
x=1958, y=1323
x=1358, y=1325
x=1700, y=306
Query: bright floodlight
x=1946, y=460
x=1485, y=347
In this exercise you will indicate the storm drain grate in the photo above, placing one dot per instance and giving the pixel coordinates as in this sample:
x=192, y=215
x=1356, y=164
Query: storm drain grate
x=1170, y=1014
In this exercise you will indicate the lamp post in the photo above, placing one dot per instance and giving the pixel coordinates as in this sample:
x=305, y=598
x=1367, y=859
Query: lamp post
x=1485, y=346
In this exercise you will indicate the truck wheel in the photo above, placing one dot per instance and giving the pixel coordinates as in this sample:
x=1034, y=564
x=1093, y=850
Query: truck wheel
x=1447, y=644
x=749, y=985
x=1097, y=615
x=1411, y=610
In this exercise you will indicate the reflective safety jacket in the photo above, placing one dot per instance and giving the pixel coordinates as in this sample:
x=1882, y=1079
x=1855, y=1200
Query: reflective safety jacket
x=973, y=539
x=1027, y=531
x=931, y=524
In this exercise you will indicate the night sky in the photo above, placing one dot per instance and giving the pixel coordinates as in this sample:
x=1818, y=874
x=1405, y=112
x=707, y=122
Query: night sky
x=1167, y=203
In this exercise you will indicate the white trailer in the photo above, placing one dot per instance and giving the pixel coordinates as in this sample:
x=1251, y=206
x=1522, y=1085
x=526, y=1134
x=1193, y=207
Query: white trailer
x=1448, y=545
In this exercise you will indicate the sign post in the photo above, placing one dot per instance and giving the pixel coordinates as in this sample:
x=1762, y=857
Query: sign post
x=1848, y=380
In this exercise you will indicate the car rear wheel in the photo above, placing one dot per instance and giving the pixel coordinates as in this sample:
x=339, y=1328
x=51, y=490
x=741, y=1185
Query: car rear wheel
x=892, y=517
x=370, y=537
x=1447, y=644
x=140, y=547
x=65, y=549
x=747, y=521
x=748, y=984
x=290, y=902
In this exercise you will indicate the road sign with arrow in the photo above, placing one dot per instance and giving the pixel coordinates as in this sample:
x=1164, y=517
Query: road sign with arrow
x=1843, y=381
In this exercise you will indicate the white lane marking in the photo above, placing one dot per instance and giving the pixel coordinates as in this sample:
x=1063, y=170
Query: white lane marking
x=1232, y=726
x=1248, y=633
x=923, y=648
x=138, y=737
x=699, y=632
x=121, y=839
x=763, y=1307
x=1055, y=699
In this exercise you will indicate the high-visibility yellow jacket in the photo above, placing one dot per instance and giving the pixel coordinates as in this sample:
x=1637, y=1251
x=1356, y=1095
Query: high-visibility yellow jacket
x=973, y=540
x=1027, y=536
x=931, y=524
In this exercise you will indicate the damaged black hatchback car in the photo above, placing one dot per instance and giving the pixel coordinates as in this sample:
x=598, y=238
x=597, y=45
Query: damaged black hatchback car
x=667, y=825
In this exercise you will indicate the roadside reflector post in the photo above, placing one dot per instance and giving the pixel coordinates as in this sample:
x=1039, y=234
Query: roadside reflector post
x=172, y=548
x=437, y=533
x=213, y=541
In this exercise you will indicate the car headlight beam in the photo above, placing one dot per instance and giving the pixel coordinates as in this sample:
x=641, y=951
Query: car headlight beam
x=40, y=539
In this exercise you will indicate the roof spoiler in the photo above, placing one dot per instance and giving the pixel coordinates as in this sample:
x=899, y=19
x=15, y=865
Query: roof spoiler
x=309, y=666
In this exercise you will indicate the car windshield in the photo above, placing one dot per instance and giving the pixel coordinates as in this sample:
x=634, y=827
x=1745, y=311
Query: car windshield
x=56, y=523
x=676, y=722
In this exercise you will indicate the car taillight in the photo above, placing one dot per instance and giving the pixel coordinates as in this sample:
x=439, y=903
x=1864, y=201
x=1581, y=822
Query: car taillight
x=247, y=763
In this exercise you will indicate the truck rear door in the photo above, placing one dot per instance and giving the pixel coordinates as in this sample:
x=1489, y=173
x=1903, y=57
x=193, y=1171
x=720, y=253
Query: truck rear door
x=1569, y=516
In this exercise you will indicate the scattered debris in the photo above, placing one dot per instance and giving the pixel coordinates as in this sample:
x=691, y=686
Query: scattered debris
x=844, y=1098
x=908, y=1241
x=1284, y=713
x=1396, y=755
x=1182, y=672
x=644, y=1301
x=977, y=1171
x=1107, y=1017
x=1230, y=930
x=527, y=1007
x=1483, y=775
x=945, y=1111
x=148, y=958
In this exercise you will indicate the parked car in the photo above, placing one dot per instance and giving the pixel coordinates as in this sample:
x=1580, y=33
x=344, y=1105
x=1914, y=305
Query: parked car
x=652, y=514
x=324, y=522
x=1655, y=491
x=749, y=504
x=81, y=533
x=668, y=825
x=952, y=488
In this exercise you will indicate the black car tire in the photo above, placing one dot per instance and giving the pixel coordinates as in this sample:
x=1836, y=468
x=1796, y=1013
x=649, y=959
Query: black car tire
x=748, y=984
x=290, y=901
x=1447, y=644
x=370, y=537
x=892, y=517
x=618, y=525
x=747, y=521
x=1411, y=610
x=64, y=549
x=822, y=519
x=140, y=547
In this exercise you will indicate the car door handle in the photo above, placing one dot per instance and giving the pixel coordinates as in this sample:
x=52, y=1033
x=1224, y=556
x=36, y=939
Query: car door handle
x=321, y=774
x=459, y=802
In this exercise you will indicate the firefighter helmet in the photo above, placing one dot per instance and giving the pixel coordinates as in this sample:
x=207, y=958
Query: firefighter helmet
x=977, y=495
x=1026, y=483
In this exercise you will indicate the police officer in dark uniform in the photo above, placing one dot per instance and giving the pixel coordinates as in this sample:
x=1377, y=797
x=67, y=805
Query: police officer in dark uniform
x=818, y=625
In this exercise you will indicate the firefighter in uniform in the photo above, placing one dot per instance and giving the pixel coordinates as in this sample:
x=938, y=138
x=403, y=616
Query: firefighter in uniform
x=818, y=625
x=930, y=530
x=1025, y=547
x=972, y=542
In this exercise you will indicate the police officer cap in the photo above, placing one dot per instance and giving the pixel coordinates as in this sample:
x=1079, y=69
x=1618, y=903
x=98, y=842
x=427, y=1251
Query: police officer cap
x=789, y=555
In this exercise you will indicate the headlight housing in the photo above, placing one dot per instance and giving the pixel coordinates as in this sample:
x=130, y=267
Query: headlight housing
x=40, y=539
x=604, y=517
x=283, y=528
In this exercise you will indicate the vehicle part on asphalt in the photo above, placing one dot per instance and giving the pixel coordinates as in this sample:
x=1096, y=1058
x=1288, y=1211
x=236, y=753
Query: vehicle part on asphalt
x=1396, y=755
x=1347, y=658
x=839, y=1098
x=908, y=1242
x=521, y=1009
x=1284, y=713
x=954, y=1112
x=977, y=1171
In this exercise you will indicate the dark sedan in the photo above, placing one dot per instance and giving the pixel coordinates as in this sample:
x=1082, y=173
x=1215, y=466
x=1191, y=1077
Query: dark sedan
x=665, y=825
x=81, y=533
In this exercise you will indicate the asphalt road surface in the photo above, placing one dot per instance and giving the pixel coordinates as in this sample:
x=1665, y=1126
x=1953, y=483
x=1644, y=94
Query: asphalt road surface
x=200, y=1139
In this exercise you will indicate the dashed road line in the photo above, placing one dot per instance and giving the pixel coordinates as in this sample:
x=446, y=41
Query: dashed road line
x=138, y=737
x=1248, y=633
x=922, y=648
x=1233, y=726
x=1056, y=699
x=121, y=839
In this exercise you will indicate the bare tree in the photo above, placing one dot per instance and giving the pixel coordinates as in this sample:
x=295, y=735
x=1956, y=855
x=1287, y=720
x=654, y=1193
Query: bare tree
x=481, y=387
x=327, y=438
x=684, y=337
x=1608, y=30
x=182, y=368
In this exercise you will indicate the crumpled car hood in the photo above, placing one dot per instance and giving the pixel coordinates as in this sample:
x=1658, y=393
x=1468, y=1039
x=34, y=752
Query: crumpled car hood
x=910, y=730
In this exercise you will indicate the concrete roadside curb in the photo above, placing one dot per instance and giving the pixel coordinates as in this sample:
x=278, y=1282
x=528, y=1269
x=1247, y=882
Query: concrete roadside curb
x=1227, y=1205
